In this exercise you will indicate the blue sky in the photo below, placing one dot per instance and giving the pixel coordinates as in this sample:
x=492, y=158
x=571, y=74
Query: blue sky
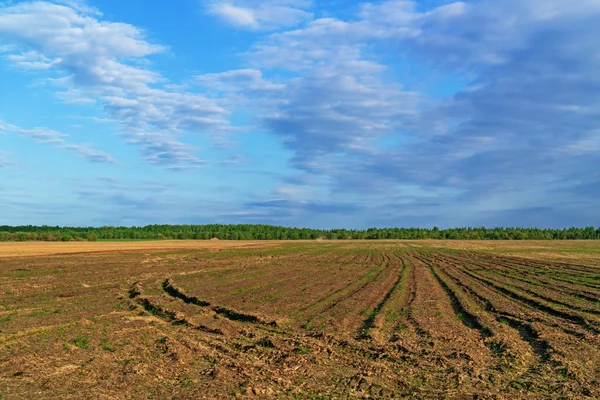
x=324, y=114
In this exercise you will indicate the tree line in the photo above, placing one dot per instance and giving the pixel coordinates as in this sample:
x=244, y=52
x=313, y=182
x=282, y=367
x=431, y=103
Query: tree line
x=269, y=232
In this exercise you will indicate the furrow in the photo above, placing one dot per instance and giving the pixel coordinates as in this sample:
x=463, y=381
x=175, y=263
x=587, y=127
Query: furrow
x=549, y=297
x=374, y=320
x=577, y=319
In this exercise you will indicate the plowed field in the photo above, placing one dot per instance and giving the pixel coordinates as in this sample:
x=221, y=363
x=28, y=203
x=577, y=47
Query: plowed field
x=302, y=320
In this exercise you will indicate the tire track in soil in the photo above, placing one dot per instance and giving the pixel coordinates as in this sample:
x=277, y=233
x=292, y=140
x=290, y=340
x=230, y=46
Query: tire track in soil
x=460, y=309
x=450, y=351
x=375, y=314
x=559, y=266
x=572, y=271
x=542, y=287
x=540, y=348
x=443, y=331
x=383, y=314
x=549, y=369
x=273, y=268
x=172, y=290
x=539, y=279
x=577, y=287
x=281, y=277
x=214, y=339
x=508, y=346
x=428, y=280
x=574, y=318
x=346, y=312
x=544, y=339
x=492, y=275
x=231, y=315
x=256, y=322
x=231, y=351
x=532, y=313
x=329, y=301
x=407, y=309
x=238, y=349
x=242, y=359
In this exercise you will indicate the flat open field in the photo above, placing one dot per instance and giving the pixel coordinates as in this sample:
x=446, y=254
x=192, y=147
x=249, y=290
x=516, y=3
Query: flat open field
x=355, y=319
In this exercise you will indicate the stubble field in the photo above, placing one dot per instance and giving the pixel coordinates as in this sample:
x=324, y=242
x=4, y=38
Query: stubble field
x=356, y=319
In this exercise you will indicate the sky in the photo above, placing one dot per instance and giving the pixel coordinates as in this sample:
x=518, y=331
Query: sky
x=311, y=113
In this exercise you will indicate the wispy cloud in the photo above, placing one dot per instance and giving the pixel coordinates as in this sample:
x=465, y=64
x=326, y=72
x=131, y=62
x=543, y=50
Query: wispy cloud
x=99, y=62
x=59, y=140
x=260, y=14
x=4, y=161
x=305, y=206
x=525, y=119
x=348, y=99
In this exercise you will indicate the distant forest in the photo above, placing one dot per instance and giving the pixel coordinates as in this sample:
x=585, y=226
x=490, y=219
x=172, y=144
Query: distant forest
x=268, y=232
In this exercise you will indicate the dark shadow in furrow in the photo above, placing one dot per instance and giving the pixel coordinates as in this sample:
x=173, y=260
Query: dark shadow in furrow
x=238, y=316
x=551, y=270
x=516, y=264
x=541, y=279
x=217, y=342
x=171, y=316
x=546, y=298
x=324, y=299
x=409, y=305
x=174, y=291
x=572, y=279
x=231, y=350
x=135, y=290
x=468, y=319
x=574, y=282
x=556, y=313
x=488, y=306
x=540, y=347
x=529, y=291
x=368, y=323
x=532, y=292
x=364, y=285
x=546, y=264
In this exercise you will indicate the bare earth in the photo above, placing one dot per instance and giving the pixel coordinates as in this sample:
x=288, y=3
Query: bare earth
x=321, y=320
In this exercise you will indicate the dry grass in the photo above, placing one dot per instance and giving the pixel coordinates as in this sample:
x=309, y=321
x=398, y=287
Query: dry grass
x=23, y=249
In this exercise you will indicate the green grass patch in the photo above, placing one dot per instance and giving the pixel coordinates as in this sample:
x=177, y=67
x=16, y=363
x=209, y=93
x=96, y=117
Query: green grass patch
x=106, y=346
x=301, y=350
x=25, y=273
x=81, y=341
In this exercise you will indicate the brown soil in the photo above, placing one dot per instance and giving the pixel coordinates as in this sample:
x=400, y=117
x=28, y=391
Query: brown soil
x=141, y=320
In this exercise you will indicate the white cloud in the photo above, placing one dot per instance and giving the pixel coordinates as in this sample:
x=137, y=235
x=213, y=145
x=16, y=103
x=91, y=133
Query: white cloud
x=332, y=97
x=59, y=140
x=4, y=161
x=332, y=91
x=240, y=80
x=530, y=103
x=31, y=60
x=99, y=62
x=262, y=14
x=238, y=16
